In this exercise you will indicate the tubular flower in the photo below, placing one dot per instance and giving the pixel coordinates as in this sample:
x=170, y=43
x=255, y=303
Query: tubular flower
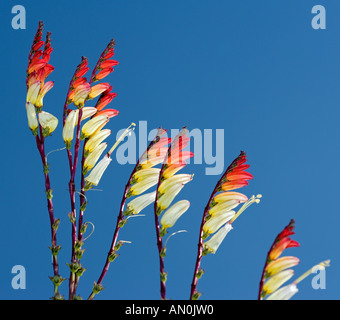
x=143, y=185
x=215, y=241
x=68, y=130
x=109, y=112
x=98, y=89
x=172, y=214
x=80, y=94
x=92, y=159
x=216, y=222
x=277, y=270
x=136, y=205
x=32, y=118
x=91, y=126
x=48, y=122
x=104, y=100
x=97, y=172
x=47, y=87
x=96, y=139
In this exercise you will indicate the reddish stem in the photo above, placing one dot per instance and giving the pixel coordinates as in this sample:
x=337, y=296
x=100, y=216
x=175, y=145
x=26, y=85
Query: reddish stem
x=41, y=148
x=120, y=218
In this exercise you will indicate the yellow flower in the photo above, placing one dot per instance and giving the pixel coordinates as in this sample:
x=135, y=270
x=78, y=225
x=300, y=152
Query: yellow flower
x=281, y=264
x=48, y=121
x=136, y=205
x=32, y=117
x=92, y=159
x=165, y=199
x=97, y=172
x=216, y=222
x=170, y=216
x=276, y=281
x=33, y=92
x=215, y=241
x=91, y=126
x=68, y=130
x=96, y=139
x=168, y=183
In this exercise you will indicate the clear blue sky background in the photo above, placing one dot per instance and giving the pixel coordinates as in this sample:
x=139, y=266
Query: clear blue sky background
x=256, y=69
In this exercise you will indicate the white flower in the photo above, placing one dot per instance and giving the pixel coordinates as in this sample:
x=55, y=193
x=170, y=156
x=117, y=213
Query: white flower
x=215, y=222
x=33, y=92
x=97, y=139
x=48, y=121
x=165, y=199
x=98, y=171
x=170, y=216
x=92, y=159
x=139, y=203
x=68, y=130
x=31, y=116
x=179, y=178
x=144, y=185
x=91, y=126
x=215, y=241
x=284, y=293
x=276, y=281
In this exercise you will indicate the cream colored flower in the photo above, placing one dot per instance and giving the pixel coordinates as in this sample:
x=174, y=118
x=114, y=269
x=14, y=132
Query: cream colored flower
x=136, y=205
x=97, y=172
x=32, y=117
x=48, y=121
x=215, y=241
x=171, y=215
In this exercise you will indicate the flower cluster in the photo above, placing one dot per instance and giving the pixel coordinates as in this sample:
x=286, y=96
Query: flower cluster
x=277, y=270
x=37, y=71
x=221, y=213
x=170, y=183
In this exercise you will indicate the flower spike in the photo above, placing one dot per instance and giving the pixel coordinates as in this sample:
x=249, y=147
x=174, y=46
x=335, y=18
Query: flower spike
x=277, y=270
x=219, y=213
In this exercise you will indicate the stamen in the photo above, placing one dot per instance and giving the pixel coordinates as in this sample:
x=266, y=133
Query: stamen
x=321, y=266
x=247, y=204
x=127, y=132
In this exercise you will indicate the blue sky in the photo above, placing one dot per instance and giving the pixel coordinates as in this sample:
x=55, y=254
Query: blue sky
x=256, y=69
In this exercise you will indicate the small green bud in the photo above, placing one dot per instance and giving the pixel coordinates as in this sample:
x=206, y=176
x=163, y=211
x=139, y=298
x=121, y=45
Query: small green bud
x=83, y=206
x=57, y=280
x=162, y=232
x=71, y=217
x=55, y=225
x=199, y=273
x=80, y=271
x=78, y=245
x=196, y=295
x=83, y=228
x=113, y=256
x=77, y=297
x=46, y=168
x=164, y=276
x=163, y=252
x=122, y=223
x=79, y=254
x=74, y=266
x=49, y=194
x=97, y=288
